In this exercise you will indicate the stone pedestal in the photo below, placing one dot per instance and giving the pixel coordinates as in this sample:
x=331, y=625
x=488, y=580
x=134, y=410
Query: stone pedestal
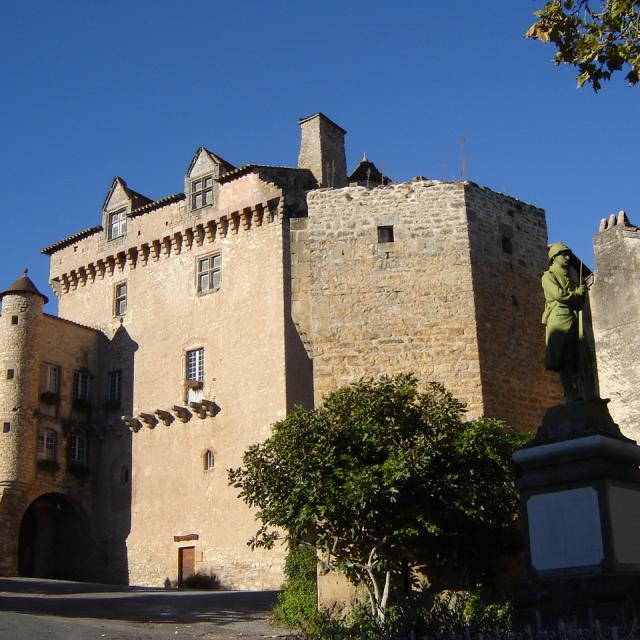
x=581, y=510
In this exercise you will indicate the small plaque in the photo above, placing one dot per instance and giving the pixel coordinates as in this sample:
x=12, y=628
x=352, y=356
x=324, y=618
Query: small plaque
x=186, y=537
x=565, y=531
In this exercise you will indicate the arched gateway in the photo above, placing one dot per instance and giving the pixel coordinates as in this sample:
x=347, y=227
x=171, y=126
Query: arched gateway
x=54, y=540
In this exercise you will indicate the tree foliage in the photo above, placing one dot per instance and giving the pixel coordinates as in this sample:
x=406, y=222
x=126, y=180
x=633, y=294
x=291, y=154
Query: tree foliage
x=597, y=40
x=383, y=477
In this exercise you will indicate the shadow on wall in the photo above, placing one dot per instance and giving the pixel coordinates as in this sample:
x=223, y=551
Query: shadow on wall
x=112, y=499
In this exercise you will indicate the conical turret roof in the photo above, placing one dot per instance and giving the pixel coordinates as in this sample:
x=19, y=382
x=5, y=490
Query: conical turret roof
x=23, y=285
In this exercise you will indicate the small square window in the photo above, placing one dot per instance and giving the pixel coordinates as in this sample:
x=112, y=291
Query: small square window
x=10, y=374
x=209, y=272
x=385, y=234
x=6, y=427
x=117, y=224
x=14, y=319
x=120, y=299
x=201, y=192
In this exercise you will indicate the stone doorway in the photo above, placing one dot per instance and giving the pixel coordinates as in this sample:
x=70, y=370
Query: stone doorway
x=54, y=540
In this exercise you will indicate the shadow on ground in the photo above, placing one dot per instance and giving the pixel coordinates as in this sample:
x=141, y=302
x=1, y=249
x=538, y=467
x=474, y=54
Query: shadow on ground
x=133, y=604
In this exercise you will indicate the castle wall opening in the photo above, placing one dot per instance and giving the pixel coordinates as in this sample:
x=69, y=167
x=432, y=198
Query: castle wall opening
x=54, y=540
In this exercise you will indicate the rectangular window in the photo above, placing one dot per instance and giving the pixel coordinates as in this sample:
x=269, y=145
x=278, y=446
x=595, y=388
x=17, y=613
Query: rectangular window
x=209, y=270
x=120, y=299
x=114, y=389
x=385, y=234
x=81, y=385
x=50, y=378
x=6, y=427
x=195, y=365
x=201, y=192
x=47, y=444
x=77, y=450
x=117, y=224
x=10, y=373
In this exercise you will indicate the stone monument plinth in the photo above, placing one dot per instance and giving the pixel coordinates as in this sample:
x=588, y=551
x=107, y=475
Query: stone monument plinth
x=580, y=498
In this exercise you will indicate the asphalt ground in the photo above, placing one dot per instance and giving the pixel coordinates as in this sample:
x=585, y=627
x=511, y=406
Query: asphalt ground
x=35, y=609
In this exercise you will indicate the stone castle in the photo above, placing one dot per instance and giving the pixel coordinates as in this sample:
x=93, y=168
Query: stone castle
x=189, y=324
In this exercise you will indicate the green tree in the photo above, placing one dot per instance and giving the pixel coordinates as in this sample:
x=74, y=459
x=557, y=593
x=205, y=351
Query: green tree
x=382, y=478
x=598, y=41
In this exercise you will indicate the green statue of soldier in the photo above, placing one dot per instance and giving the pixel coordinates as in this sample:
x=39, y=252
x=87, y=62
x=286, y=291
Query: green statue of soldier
x=567, y=351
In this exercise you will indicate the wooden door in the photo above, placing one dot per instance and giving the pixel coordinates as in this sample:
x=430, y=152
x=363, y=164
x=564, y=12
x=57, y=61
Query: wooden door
x=186, y=563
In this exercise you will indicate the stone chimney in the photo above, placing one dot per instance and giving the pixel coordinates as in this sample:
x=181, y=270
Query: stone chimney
x=322, y=150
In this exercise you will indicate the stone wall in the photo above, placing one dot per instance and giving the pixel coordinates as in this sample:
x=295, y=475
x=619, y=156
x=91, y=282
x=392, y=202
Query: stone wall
x=249, y=352
x=508, y=256
x=615, y=309
x=445, y=299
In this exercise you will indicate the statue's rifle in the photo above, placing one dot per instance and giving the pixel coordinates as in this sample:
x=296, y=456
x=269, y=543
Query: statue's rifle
x=585, y=362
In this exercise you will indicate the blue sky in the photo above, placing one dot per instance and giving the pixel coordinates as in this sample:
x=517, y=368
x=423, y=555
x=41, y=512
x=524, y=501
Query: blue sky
x=91, y=90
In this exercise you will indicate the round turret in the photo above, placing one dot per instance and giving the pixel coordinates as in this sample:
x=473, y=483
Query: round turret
x=20, y=329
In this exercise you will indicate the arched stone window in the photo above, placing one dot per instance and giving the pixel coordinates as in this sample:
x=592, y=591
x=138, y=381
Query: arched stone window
x=124, y=474
x=208, y=460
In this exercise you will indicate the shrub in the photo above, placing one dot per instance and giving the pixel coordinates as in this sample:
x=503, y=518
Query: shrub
x=298, y=600
x=201, y=580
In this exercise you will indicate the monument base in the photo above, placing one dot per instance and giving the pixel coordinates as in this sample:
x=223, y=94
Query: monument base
x=580, y=501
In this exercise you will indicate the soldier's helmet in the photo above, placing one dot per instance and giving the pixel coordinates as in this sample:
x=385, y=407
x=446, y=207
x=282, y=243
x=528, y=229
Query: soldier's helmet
x=556, y=248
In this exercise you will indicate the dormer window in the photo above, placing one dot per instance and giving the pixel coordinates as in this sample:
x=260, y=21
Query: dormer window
x=201, y=192
x=117, y=224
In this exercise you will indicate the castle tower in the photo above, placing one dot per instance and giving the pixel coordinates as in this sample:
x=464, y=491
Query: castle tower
x=20, y=329
x=322, y=150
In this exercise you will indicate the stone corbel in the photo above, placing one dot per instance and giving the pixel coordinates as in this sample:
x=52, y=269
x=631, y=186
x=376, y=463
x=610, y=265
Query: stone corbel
x=149, y=420
x=210, y=406
x=184, y=415
x=73, y=276
x=164, y=416
x=246, y=218
x=111, y=264
x=223, y=226
x=258, y=214
x=121, y=260
x=145, y=250
x=177, y=242
x=132, y=257
x=188, y=237
x=102, y=268
x=235, y=222
x=133, y=423
x=210, y=230
x=200, y=234
x=155, y=250
x=166, y=246
x=91, y=270
x=66, y=285
x=199, y=408
x=82, y=276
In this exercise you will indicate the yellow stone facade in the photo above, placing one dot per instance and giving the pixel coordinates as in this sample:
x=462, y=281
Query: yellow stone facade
x=201, y=318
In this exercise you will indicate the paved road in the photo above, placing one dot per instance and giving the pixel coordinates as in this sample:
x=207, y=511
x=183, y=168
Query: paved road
x=34, y=609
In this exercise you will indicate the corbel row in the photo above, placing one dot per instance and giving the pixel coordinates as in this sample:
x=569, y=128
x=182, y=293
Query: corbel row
x=196, y=235
x=203, y=409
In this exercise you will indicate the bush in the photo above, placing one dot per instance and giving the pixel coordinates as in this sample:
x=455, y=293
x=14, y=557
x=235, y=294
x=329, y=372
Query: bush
x=298, y=600
x=201, y=580
x=453, y=614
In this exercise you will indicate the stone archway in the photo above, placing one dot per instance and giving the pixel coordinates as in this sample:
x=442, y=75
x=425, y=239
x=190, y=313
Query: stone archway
x=54, y=540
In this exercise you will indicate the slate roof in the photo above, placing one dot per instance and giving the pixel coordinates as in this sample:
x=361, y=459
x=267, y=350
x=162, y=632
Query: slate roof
x=24, y=284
